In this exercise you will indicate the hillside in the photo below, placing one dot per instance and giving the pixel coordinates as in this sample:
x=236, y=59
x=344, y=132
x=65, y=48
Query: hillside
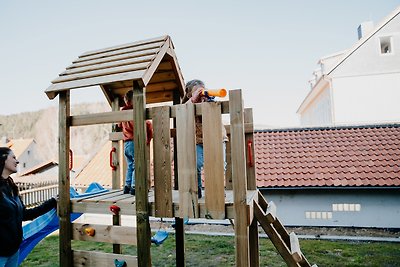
x=42, y=125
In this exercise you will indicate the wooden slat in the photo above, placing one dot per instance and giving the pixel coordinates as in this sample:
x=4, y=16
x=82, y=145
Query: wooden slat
x=295, y=247
x=53, y=89
x=262, y=202
x=107, y=65
x=99, y=259
x=254, y=244
x=157, y=97
x=105, y=233
x=161, y=86
x=162, y=77
x=116, y=136
x=239, y=177
x=102, y=72
x=124, y=46
x=162, y=162
x=136, y=54
x=213, y=160
x=186, y=146
x=274, y=236
x=92, y=207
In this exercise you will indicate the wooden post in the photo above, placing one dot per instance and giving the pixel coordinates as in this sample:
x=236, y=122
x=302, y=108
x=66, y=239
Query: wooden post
x=116, y=174
x=250, y=155
x=64, y=208
x=239, y=178
x=179, y=225
x=142, y=212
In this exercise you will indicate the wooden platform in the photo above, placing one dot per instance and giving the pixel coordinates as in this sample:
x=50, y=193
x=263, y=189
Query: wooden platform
x=100, y=203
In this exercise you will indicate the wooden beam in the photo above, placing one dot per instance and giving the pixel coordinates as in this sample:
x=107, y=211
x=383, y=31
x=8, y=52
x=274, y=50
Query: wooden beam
x=162, y=162
x=295, y=247
x=101, y=118
x=239, y=178
x=155, y=63
x=64, y=208
x=104, y=233
x=142, y=204
x=100, y=259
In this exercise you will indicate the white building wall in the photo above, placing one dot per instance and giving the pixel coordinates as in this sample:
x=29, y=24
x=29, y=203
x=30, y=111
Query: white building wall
x=319, y=112
x=367, y=99
x=29, y=158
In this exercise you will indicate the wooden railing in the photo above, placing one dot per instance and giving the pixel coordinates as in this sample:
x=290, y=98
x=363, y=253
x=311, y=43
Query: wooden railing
x=33, y=194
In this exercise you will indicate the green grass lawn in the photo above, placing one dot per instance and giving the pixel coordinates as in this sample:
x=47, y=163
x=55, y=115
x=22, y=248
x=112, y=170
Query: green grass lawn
x=219, y=251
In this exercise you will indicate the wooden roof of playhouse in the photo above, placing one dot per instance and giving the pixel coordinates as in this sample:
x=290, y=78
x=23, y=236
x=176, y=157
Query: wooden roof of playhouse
x=152, y=63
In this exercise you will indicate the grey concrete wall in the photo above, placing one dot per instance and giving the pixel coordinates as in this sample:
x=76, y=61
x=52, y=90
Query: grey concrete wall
x=337, y=207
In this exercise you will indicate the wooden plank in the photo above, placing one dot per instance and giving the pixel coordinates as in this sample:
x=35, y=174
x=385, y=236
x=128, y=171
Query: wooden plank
x=64, y=208
x=140, y=45
x=107, y=65
x=105, y=233
x=90, y=207
x=131, y=55
x=162, y=162
x=250, y=155
x=157, y=97
x=186, y=149
x=161, y=86
x=102, y=72
x=198, y=109
x=177, y=69
x=100, y=259
x=239, y=178
x=274, y=237
x=228, y=172
x=213, y=160
x=53, y=89
x=295, y=247
x=142, y=212
x=262, y=202
x=164, y=76
x=101, y=118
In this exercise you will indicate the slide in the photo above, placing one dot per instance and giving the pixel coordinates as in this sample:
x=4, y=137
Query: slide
x=44, y=225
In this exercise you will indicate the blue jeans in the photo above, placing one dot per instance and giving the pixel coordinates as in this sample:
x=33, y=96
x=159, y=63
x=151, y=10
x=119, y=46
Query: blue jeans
x=129, y=151
x=11, y=261
x=200, y=160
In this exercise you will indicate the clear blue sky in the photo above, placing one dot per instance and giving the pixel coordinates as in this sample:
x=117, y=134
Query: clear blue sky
x=267, y=48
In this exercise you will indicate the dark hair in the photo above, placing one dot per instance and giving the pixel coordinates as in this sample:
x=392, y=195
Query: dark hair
x=189, y=87
x=128, y=96
x=4, y=152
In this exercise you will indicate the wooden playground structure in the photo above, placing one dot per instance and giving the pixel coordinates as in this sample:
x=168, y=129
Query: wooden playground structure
x=151, y=69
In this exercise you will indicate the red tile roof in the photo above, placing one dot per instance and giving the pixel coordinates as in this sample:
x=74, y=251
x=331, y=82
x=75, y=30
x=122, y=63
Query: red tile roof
x=353, y=156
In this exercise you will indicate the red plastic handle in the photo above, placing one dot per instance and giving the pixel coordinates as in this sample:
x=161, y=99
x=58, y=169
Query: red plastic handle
x=115, y=209
x=71, y=159
x=113, y=167
x=249, y=151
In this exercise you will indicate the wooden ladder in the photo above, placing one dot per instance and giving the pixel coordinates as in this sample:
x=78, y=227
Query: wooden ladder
x=286, y=244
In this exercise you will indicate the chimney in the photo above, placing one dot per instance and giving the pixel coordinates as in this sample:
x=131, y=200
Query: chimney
x=365, y=28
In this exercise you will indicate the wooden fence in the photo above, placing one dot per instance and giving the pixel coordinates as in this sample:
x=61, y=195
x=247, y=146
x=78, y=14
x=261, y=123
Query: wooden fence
x=33, y=194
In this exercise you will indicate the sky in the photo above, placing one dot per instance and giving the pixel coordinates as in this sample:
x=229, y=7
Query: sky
x=269, y=49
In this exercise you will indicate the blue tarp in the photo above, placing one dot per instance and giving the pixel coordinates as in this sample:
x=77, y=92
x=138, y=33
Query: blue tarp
x=46, y=224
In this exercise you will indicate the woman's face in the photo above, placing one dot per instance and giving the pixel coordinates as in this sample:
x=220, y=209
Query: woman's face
x=11, y=164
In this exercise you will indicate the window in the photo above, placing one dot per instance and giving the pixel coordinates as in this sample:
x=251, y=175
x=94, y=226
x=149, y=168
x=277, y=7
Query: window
x=346, y=207
x=321, y=215
x=386, y=45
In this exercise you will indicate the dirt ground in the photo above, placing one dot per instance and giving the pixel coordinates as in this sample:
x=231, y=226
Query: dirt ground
x=315, y=231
